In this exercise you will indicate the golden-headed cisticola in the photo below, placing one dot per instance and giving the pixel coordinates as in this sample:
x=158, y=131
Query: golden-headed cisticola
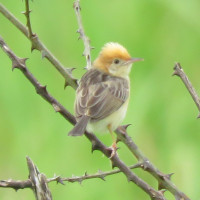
x=103, y=93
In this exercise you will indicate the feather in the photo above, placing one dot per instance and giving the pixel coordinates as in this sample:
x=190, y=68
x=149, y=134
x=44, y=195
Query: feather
x=105, y=94
x=80, y=126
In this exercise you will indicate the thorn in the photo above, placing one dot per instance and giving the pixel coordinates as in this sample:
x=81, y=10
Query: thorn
x=88, y=57
x=123, y=128
x=113, y=165
x=92, y=48
x=66, y=84
x=23, y=62
x=163, y=191
x=76, y=6
x=56, y=107
x=117, y=148
x=169, y=176
x=177, y=65
x=126, y=126
x=101, y=176
x=129, y=179
x=198, y=116
x=160, y=186
x=15, y=64
x=100, y=172
x=42, y=89
x=59, y=180
x=19, y=63
x=86, y=174
x=33, y=48
x=94, y=146
x=44, y=54
x=76, y=80
x=175, y=73
x=26, y=13
x=70, y=70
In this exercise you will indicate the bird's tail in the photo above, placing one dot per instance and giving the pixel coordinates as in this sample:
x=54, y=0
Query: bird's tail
x=80, y=126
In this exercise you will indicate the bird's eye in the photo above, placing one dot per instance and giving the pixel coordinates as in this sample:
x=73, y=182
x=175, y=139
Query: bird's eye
x=116, y=61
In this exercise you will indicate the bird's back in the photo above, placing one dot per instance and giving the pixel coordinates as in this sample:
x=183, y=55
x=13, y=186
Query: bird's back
x=99, y=95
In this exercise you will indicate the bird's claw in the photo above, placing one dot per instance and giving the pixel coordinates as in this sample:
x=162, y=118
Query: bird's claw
x=113, y=149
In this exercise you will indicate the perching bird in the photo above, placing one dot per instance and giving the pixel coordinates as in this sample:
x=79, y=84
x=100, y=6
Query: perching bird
x=103, y=93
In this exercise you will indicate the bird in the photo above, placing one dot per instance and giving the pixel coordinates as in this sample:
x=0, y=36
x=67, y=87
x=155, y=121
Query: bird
x=103, y=93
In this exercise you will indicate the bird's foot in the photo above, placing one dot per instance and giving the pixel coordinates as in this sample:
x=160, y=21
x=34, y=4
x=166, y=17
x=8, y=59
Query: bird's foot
x=113, y=149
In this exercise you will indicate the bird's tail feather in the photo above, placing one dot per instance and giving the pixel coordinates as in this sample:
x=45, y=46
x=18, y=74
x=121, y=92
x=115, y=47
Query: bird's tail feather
x=80, y=126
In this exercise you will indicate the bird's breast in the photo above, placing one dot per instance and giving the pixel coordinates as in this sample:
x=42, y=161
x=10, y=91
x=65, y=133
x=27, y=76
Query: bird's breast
x=114, y=120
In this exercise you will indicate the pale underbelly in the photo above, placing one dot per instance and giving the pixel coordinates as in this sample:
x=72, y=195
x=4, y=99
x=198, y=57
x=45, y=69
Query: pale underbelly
x=113, y=120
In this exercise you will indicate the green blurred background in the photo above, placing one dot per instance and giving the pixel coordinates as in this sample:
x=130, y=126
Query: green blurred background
x=161, y=110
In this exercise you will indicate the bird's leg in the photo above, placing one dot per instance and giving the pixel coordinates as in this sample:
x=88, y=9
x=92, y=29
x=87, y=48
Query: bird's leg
x=114, y=144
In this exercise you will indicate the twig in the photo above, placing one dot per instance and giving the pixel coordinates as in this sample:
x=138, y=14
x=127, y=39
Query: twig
x=96, y=143
x=86, y=41
x=28, y=184
x=86, y=176
x=178, y=71
x=164, y=180
x=16, y=185
x=27, y=14
x=37, y=44
x=38, y=181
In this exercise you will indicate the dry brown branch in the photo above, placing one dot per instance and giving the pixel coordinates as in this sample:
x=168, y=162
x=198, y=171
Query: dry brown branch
x=86, y=40
x=20, y=63
x=178, y=71
x=19, y=184
x=16, y=185
x=27, y=14
x=39, y=183
x=164, y=180
x=37, y=44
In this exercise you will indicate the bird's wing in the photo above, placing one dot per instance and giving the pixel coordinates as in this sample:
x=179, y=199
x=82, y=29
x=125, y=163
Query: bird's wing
x=99, y=95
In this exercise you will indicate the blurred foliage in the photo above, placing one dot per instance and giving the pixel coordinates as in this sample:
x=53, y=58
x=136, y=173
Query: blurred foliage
x=161, y=110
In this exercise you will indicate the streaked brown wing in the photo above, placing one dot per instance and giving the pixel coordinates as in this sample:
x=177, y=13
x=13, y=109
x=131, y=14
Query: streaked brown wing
x=99, y=95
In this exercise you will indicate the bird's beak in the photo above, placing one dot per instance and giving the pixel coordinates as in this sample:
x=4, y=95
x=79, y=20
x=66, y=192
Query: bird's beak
x=132, y=60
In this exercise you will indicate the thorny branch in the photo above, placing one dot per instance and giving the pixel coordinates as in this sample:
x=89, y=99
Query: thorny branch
x=178, y=71
x=86, y=41
x=37, y=44
x=37, y=182
x=20, y=63
x=28, y=24
x=19, y=184
x=143, y=162
x=164, y=180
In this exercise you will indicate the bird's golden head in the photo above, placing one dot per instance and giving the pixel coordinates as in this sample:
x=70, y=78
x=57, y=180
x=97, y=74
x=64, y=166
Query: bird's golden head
x=114, y=59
